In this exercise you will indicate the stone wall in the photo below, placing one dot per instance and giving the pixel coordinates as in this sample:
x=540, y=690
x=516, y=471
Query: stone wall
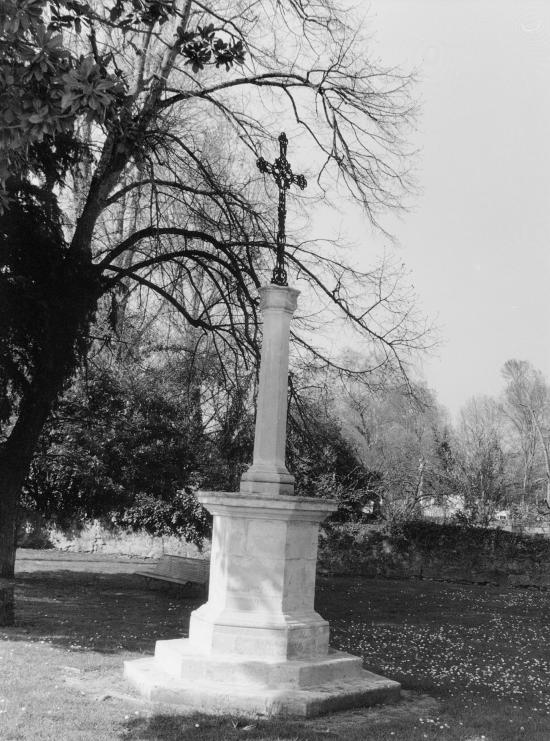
x=430, y=551
x=92, y=537
x=95, y=538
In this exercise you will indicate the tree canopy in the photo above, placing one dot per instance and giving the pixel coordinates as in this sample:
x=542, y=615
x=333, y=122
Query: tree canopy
x=135, y=118
x=129, y=130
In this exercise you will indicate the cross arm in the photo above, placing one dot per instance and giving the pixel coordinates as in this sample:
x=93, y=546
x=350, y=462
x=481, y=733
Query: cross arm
x=299, y=180
x=264, y=166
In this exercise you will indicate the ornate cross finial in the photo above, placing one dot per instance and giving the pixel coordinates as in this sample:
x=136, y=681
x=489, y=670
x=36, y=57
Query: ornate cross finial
x=284, y=178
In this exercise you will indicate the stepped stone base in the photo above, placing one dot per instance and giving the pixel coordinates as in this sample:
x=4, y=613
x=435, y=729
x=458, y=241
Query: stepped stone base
x=180, y=675
x=257, y=647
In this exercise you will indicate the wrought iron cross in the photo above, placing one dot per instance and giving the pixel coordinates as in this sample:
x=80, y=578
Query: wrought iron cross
x=284, y=178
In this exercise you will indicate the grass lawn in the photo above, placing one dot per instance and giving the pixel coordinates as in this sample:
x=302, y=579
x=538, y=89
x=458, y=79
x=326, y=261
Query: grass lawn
x=474, y=661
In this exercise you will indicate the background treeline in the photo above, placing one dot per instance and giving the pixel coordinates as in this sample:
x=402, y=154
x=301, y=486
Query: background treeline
x=155, y=415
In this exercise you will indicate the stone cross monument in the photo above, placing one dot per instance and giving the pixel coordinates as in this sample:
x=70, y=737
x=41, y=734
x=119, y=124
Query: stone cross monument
x=257, y=646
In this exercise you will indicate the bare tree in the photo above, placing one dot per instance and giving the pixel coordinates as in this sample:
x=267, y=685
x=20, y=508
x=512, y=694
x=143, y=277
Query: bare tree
x=119, y=100
x=396, y=432
x=481, y=459
x=527, y=406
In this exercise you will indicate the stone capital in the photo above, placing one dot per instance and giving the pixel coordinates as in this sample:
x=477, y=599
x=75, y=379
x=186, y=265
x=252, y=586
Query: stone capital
x=282, y=298
x=266, y=507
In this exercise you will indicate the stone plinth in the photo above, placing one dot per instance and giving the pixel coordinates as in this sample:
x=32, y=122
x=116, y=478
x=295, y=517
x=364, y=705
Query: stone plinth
x=258, y=646
x=262, y=578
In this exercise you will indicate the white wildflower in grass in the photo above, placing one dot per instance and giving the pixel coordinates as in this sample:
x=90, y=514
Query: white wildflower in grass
x=492, y=646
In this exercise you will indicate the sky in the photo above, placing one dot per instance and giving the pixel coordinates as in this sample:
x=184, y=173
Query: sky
x=477, y=240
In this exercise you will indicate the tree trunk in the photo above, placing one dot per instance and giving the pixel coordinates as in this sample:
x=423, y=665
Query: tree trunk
x=13, y=471
x=545, y=452
x=526, y=480
x=15, y=460
x=8, y=524
x=8, y=510
x=420, y=481
x=70, y=292
x=17, y=452
x=7, y=602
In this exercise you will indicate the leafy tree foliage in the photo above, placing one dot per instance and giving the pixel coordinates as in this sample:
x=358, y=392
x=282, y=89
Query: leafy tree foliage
x=46, y=86
x=114, y=432
x=131, y=440
x=135, y=435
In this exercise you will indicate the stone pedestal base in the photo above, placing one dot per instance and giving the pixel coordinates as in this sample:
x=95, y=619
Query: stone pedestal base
x=179, y=675
x=258, y=646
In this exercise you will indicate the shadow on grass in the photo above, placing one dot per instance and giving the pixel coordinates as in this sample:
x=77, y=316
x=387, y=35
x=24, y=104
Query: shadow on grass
x=107, y=613
x=376, y=723
x=123, y=612
x=197, y=727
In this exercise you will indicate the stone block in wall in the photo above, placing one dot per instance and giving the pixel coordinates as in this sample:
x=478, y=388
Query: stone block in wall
x=516, y=565
x=490, y=576
x=370, y=571
x=451, y=572
x=521, y=580
x=543, y=581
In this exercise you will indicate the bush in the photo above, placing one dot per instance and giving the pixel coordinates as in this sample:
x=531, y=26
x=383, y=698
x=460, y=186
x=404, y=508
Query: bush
x=453, y=552
x=183, y=515
x=122, y=446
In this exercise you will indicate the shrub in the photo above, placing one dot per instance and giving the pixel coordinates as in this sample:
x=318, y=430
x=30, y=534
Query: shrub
x=183, y=515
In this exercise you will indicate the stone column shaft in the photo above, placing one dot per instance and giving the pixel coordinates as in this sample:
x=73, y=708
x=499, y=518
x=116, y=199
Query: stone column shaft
x=268, y=473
